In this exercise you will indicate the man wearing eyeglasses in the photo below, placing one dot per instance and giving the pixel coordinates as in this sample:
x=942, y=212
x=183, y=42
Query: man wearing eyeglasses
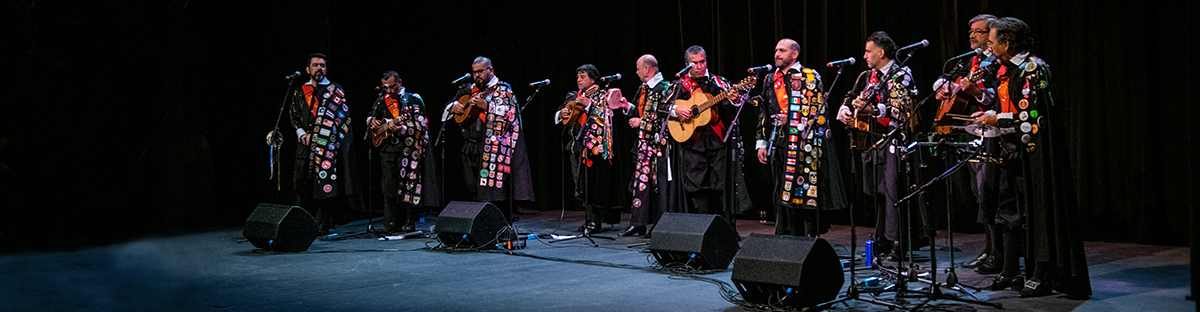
x=405, y=158
x=494, y=161
x=980, y=96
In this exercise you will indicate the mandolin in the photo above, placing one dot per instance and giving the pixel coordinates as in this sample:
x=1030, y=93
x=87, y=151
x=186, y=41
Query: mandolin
x=576, y=108
x=699, y=104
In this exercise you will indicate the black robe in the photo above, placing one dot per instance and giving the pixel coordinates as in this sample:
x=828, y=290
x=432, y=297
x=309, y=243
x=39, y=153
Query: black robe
x=411, y=143
x=882, y=167
x=320, y=176
x=1047, y=204
x=655, y=188
x=814, y=148
x=504, y=122
x=593, y=147
x=703, y=159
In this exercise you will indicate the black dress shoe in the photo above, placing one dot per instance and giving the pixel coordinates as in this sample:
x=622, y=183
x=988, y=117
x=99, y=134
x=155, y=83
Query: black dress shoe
x=634, y=230
x=977, y=261
x=1035, y=288
x=1001, y=282
x=897, y=253
x=991, y=265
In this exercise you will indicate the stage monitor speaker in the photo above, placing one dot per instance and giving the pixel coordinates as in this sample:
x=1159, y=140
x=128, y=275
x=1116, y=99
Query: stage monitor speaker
x=790, y=271
x=699, y=241
x=470, y=224
x=280, y=228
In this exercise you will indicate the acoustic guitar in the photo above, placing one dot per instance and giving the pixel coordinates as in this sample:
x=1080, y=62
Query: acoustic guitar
x=470, y=111
x=955, y=105
x=699, y=103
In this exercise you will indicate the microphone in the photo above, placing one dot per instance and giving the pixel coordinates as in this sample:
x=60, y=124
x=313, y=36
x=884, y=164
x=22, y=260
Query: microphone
x=849, y=61
x=293, y=75
x=464, y=76
x=380, y=88
x=685, y=69
x=540, y=83
x=972, y=53
x=767, y=67
x=922, y=44
x=611, y=78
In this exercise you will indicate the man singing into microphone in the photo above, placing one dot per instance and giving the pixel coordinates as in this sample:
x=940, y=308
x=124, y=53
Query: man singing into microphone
x=405, y=158
x=979, y=96
x=591, y=148
x=882, y=97
x=705, y=156
x=494, y=161
x=322, y=120
x=793, y=124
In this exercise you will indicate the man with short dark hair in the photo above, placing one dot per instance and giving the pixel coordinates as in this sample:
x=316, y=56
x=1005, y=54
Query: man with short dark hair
x=592, y=149
x=494, y=161
x=399, y=119
x=883, y=97
x=322, y=121
x=1045, y=213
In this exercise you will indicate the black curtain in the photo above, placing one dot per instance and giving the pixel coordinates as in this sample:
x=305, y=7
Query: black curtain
x=139, y=119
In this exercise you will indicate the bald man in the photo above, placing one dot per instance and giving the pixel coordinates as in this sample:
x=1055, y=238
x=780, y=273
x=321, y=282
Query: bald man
x=793, y=128
x=652, y=186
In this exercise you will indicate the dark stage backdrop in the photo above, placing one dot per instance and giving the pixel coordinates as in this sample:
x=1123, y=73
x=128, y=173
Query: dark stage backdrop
x=126, y=120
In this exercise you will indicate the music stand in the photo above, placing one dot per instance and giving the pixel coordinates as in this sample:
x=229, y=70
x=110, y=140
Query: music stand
x=935, y=291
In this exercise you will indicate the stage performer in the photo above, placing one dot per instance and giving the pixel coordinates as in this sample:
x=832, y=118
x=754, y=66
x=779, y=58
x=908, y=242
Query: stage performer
x=793, y=117
x=883, y=96
x=705, y=157
x=399, y=125
x=655, y=188
x=1046, y=213
x=321, y=117
x=495, y=164
x=591, y=144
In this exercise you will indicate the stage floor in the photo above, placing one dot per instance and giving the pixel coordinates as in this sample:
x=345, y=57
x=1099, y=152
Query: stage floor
x=220, y=271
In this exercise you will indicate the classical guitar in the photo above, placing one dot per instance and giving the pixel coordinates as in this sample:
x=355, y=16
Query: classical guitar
x=955, y=105
x=699, y=104
x=470, y=111
x=576, y=108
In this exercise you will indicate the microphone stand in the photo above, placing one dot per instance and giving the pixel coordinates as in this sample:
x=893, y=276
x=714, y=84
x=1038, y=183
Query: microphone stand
x=371, y=173
x=441, y=158
x=277, y=136
x=730, y=178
